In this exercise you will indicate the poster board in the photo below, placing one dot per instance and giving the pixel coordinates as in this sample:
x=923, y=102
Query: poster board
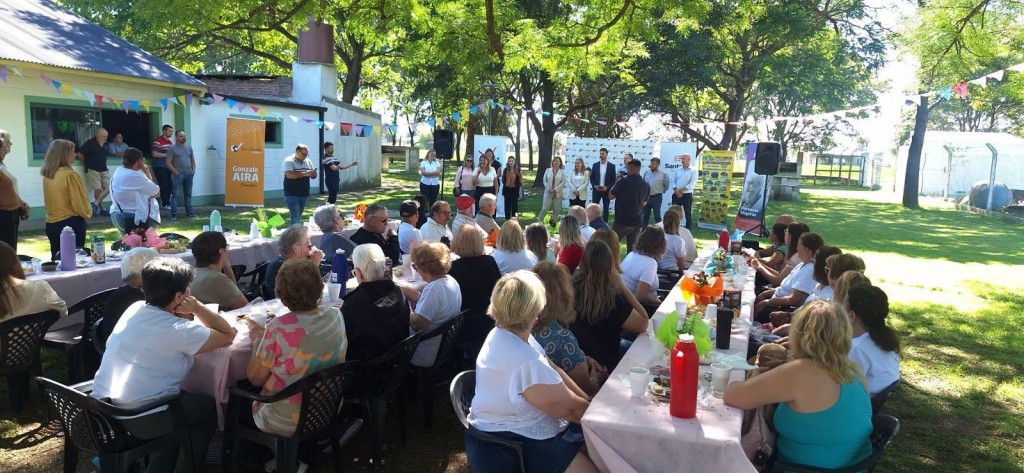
x=715, y=178
x=244, y=172
x=671, y=154
x=750, y=212
x=589, y=150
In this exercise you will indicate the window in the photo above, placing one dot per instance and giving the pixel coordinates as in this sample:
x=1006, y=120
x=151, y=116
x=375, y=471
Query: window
x=273, y=133
x=50, y=122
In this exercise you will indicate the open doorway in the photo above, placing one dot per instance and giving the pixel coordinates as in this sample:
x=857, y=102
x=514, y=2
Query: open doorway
x=136, y=128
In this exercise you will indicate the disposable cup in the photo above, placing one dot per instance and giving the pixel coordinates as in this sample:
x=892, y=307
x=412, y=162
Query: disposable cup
x=334, y=291
x=720, y=378
x=681, y=308
x=213, y=307
x=638, y=379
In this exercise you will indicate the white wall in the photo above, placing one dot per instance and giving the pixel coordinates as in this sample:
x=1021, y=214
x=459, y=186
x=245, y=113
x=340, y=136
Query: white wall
x=365, y=149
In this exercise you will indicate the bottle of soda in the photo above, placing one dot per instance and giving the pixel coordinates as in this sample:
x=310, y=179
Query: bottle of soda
x=683, y=377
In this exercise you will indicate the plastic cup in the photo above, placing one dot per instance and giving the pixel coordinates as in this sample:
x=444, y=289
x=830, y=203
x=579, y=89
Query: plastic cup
x=215, y=308
x=638, y=379
x=206, y=228
x=218, y=229
x=681, y=308
x=334, y=291
x=720, y=378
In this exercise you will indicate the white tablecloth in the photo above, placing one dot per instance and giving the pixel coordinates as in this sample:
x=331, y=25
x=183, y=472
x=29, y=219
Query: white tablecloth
x=627, y=434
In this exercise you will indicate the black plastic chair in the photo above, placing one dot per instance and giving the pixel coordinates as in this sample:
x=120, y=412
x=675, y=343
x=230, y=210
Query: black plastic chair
x=449, y=333
x=98, y=342
x=252, y=288
x=376, y=380
x=322, y=395
x=20, y=338
x=463, y=389
x=91, y=426
x=76, y=340
x=885, y=428
x=878, y=400
x=238, y=270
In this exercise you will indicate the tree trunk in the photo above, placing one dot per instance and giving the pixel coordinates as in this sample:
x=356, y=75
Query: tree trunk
x=546, y=130
x=519, y=136
x=529, y=141
x=350, y=87
x=913, y=178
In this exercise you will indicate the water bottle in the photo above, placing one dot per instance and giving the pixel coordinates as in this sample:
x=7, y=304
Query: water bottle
x=214, y=219
x=99, y=253
x=683, y=378
x=67, y=249
x=723, y=333
x=341, y=263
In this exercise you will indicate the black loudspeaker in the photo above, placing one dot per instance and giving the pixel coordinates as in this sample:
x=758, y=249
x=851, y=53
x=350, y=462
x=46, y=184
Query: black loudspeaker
x=766, y=158
x=444, y=142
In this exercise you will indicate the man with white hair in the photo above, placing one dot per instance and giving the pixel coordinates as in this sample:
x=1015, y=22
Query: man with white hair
x=132, y=263
x=594, y=214
x=488, y=208
x=581, y=216
x=376, y=312
x=464, y=204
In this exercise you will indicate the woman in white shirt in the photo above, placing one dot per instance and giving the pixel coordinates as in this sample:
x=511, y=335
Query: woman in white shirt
x=430, y=184
x=131, y=189
x=579, y=179
x=772, y=276
x=486, y=178
x=798, y=284
x=823, y=290
x=439, y=301
x=554, y=186
x=674, y=258
x=511, y=253
x=876, y=346
x=640, y=266
x=520, y=395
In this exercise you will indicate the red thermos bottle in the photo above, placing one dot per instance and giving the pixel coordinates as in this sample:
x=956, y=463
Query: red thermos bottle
x=683, y=376
x=723, y=240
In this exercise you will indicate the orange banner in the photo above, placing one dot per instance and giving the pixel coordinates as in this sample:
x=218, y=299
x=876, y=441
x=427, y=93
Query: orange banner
x=243, y=179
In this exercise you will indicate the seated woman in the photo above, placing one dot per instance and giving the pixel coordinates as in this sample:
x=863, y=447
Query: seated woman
x=610, y=238
x=769, y=276
x=675, y=257
x=305, y=340
x=640, y=267
x=775, y=255
x=149, y=353
x=821, y=291
x=796, y=286
x=19, y=296
x=438, y=302
x=876, y=346
x=215, y=281
x=511, y=253
x=536, y=235
x=569, y=249
x=847, y=281
x=823, y=418
x=551, y=333
x=476, y=274
x=293, y=245
x=604, y=306
x=520, y=394
x=329, y=220
x=376, y=312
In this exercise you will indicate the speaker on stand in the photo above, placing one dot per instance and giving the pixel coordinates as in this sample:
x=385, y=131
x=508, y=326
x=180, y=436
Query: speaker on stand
x=444, y=146
x=766, y=163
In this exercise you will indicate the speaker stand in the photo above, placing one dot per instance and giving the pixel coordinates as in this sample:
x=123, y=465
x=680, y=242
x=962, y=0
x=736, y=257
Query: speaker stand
x=760, y=230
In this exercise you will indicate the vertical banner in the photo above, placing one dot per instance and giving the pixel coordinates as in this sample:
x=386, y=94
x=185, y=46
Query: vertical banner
x=244, y=169
x=715, y=178
x=750, y=214
x=671, y=154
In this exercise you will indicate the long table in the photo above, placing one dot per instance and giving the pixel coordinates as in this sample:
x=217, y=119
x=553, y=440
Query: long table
x=629, y=434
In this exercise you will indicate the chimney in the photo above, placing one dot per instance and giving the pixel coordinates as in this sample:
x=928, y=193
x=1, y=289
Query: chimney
x=316, y=43
x=314, y=75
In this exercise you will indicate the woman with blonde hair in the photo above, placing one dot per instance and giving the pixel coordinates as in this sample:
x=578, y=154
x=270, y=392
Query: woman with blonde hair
x=848, y=280
x=537, y=238
x=520, y=394
x=610, y=238
x=604, y=306
x=579, y=179
x=569, y=250
x=551, y=333
x=464, y=178
x=511, y=253
x=64, y=195
x=485, y=178
x=476, y=274
x=554, y=186
x=823, y=418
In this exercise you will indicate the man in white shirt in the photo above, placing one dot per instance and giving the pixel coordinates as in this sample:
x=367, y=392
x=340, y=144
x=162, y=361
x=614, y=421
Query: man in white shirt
x=658, y=181
x=149, y=353
x=435, y=229
x=408, y=234
x=464, y=206
x=581, y=216
x=682, y=188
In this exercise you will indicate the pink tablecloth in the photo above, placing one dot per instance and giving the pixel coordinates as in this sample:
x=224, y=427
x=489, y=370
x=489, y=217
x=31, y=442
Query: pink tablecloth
x=215, y=372
x=627, y=434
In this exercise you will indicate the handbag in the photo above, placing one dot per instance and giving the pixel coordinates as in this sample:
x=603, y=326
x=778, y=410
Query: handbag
x=757, y=439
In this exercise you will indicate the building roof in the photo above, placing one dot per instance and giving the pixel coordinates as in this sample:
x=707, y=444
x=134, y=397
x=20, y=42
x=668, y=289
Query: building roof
x=41, y=32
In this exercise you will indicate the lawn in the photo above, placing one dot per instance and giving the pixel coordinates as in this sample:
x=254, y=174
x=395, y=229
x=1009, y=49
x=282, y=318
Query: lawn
x=955, y=282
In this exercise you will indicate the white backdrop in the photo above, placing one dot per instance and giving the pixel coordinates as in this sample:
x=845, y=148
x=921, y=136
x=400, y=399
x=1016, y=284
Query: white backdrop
x=590, y=149
x=667, y=153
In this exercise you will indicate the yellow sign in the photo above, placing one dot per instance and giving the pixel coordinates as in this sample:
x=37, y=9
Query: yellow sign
x=244, y=176
x=716, y=179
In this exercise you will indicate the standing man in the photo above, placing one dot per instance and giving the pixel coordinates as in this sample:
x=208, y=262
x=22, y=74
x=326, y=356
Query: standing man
x=159, y=164
x=602, y=177
x=630, y=194
x=682, y=188
x=181, y=162
x=332, y=171
x=94, y=153
x=117, y=146
x=658, y=181
x=297, y=172
x=620, y=170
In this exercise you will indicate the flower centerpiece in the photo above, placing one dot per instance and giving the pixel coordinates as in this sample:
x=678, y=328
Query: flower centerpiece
x=267, y=224
x=359, y=211
x=701, y=288
x=143, y=238
x=691, y=323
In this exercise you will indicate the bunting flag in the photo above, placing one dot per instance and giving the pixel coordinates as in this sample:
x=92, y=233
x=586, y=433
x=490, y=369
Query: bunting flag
x=330, y=126
x=77, y=91
x=163, y=102
x=319, y=124
x=66, y=89
x=960, y=90
x=257, y=109
x=294, y=118
x=345, y=127
x=456, y=116
x=394, y=129
x=367, y=129
x=117, y=102
x=307, y=120
x=508, y=108
x=472, y=108
x=240, y=106
x=181, y=100
x=1017, y=68
x=444, y=120
x=263, y=112
x=945, y=92
x=431, y=122
x=15, y=70
x=91, y=98
x=3, y=74
x=145, y=105
x=218, y=98
x=188, y=99
x=55, y=84
x=546, y=114
x=602, y=122
x=99, y=100
x=231, y=103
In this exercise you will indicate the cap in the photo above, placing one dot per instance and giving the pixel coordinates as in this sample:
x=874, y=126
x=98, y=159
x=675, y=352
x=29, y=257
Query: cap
x=408, y=208
x=464, y=202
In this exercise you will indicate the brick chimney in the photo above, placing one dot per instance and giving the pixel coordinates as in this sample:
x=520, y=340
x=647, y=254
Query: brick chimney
x=314, y=75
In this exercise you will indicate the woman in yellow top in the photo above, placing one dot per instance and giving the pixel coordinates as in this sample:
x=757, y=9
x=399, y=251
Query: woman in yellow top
x=67, y=204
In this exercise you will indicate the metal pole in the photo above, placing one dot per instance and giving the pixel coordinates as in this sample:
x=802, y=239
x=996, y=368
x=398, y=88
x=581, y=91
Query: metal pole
x=949, y=171
x=992, y=176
